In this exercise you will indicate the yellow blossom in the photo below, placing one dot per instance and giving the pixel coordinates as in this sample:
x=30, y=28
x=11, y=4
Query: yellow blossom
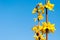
x=36, y=28
x=48, y=26
x=49, y=5
x=34, y=10
x=41, y=8
x=40, y=36
x=40, y=17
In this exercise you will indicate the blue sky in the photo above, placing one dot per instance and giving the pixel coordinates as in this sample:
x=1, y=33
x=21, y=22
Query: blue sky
x=16, y=19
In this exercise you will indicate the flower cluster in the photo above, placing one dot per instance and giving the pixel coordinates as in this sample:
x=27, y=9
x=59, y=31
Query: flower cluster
x=40, y=9
x=45, y=27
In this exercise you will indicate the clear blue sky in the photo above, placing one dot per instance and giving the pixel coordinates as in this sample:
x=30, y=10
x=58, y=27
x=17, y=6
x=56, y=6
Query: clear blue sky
x=16, y=19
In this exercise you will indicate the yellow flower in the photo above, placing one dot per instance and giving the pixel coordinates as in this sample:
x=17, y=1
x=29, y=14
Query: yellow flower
x=49, y=6
x=40, y=17
x=41, y=8
x=35, y=29
x=48, y=26
x=40, y=36
x=34, y=10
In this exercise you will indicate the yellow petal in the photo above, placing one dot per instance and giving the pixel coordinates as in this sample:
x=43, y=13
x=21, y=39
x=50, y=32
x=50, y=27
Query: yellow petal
x=44, y=24
x=40, y=17
x=40, y=4
x=34, y=11
x=42, y=11
x=41, y=8
x=34, y=28
x=40, y=27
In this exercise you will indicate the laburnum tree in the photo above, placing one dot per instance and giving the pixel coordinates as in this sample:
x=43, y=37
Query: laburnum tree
x=46, y=27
